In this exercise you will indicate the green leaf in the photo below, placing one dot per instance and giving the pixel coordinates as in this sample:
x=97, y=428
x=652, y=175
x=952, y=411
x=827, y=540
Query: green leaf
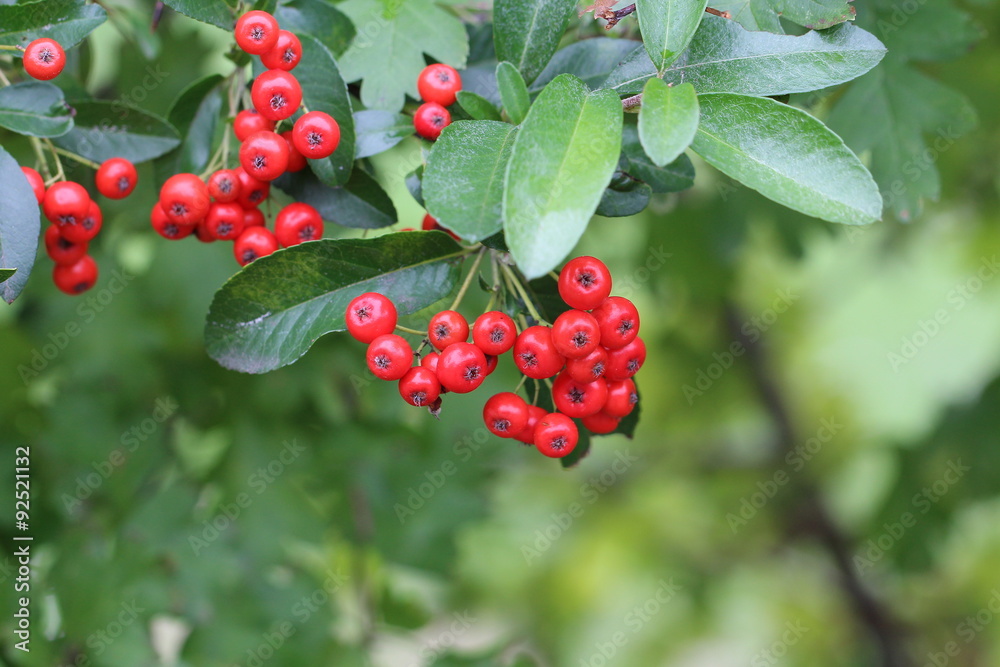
x=625, y=200
x=562, y=160
x=814, y=14
x=591, y=59
x=464, y=177
x=254, y=328
x=20, y=224
x=318, y=19
x=477, y=106
x=360, y=203
x=65, y=21
x=5, y=274
x=34, y=108
x=114, y=129
x=323, y=89
x=725, y=57
x=415, y=184
x=786, y=155
x=936, y=32
x=378, y=131
x=757, y=15
x=674, y=177
x=195, y=115
x=527, y=32
x=513, y=92
x=668, y=120
x=215, y=12
x=667, y=27
x=388, y=55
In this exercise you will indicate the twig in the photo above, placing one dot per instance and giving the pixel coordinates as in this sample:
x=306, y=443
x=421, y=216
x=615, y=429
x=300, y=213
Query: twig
x=614, y=16
x=468, y=279
x=716, y=12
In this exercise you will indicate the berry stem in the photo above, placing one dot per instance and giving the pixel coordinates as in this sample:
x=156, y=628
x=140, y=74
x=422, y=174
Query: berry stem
x=524, y=378
x=7, y=47
x=408, y=330
x=468, y=279
x=43, y=164
x=60, y=174
x=73, y=156
x=3, y=79
x=523, y=293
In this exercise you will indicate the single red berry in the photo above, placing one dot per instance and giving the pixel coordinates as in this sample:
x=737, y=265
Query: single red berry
x=254, y=243
x=62, y=251
x=249, y=121
x=430, y=360
x=556, y=435
x=535, y=355
x=429, y=119
x=420, y=386
x=494, y=332
x=505, y=414
x=619, y=321
x=276, y=94
x=625, y=362
x=575, y=334
x=492, y=361
x=86, y=229
x=65, y=203
x=264, y=155
x=447, y=327
x=185, y=199
x=590, y=367
x=622, y=398
x=76, y=278
x=369, y=316
x=389, y=357
x=439, y=83
x=224, y=186
x=166, y=227
x=116, y=178
x=256, y=32
x=578, y=399
x=224, y=221
x=316, y=135
x=584, y=283
x=253, y=217
x=252, y=191
x=285, y=54
x=44, y=59
x=296, y=160
x=601, y=423
x=430, y=223
x=36, y=183
x=297, y=223
x=527, y=434
x=461, y=368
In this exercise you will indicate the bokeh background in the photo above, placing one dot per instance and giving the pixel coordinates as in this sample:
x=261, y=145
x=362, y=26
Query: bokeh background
x=813, y=481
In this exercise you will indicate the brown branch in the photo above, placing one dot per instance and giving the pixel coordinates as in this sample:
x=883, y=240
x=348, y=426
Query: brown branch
x=613, y=16
x=716, y=12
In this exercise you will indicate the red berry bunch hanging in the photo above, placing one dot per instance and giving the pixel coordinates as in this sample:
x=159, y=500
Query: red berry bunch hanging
x=438, y=85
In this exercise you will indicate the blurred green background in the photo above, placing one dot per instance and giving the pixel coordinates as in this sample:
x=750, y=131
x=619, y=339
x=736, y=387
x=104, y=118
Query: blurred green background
x=813, y=481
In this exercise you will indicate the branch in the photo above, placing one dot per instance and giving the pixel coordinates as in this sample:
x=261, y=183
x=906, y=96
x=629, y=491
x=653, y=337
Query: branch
x=613, y=16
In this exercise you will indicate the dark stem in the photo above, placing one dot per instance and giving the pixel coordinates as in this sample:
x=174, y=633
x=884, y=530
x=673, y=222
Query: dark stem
x=613, y=16
x=716, y=12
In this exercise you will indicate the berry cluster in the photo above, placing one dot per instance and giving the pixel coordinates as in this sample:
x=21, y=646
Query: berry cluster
x=226, y=206
x=438, y=85
x=592, y=350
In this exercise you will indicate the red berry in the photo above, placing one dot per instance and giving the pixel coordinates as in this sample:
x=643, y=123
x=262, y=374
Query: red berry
x=165, y=227
x=264, y=155
x=430, y=119
x=285, y=54
x=36, y=183
x=420, y=386
x=44, y=59
x=224, y=221
x=256, y=32
x=601, y=423
x=494, y=332
x=626, y=361
x=590, y=367
x=65, y=203
x=252, y=191
x=491, y=363
x=316, y=135
x=224, y=186
x=276, y=94
x=461, y=368
x=556, y=435
x=584, y=283
x=575, y=334
x=86, y=229
x=76, y=278
x=389, y=357
x=297, y=223
x=622, y=398
x=578, y=399
x=253, y=217
x=505, y=414
x=253, y=243
x=439, y=83
x=249, y=121
x=535, y=355
x=185, y=199
x=430, y=361
x=116, y=178
x=62, y=251
x=430, y=223
x=619, y=321
x=202, y=232
x=446, y=328
x=296, y=160
x=527, y=434
x=369, y=316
